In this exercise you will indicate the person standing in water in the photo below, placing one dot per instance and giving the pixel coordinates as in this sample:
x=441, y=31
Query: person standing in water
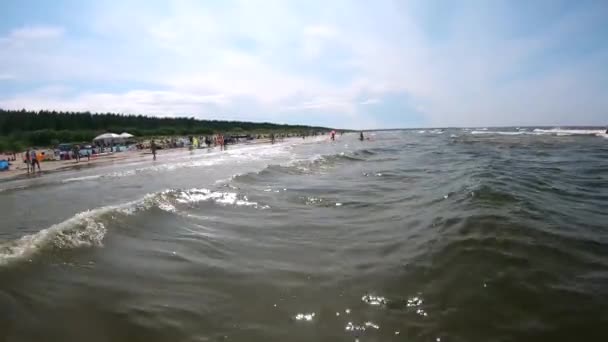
x=153, y=148
x=34, y=161
x=28, y=160
x=77, y=153
x=361, y=136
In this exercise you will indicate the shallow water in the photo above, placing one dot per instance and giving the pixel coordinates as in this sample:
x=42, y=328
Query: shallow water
x=430, y=235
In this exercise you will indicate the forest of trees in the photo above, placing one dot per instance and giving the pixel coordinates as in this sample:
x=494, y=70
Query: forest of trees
x=22, y=128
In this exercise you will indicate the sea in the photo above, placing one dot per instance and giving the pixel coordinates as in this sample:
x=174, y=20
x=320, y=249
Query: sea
x=440, y=235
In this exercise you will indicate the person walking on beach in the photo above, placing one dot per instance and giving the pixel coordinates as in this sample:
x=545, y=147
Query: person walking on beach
x=27, y=161
x=34, y=161
x=153, y=148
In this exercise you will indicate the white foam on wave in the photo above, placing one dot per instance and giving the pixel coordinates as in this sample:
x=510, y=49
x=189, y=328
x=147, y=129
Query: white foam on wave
x=540, y=131
x=559, y=131
x=75, y=179
x=499, y=132
x=85, y=229
x=225, y=198
x=81, y=230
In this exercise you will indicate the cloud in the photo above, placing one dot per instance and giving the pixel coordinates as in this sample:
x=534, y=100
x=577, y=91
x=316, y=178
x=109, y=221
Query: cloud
x=369, y=102
x=134, y=101
x=315, y=38
x=36, y=32
x=6, y=77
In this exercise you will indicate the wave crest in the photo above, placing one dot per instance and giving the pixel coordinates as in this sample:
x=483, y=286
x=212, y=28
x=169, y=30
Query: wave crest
x=87, y=229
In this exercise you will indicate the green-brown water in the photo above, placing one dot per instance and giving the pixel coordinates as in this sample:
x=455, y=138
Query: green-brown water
x=454, y=235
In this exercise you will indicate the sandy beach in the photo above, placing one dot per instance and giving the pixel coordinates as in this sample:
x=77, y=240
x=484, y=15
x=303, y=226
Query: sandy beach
x=18, y=169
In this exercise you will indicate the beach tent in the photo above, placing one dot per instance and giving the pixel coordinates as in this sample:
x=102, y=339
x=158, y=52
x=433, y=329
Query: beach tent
x=107, y=137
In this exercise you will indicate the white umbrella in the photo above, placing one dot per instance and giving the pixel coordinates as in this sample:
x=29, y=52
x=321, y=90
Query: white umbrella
x=107, y=136
x=126, y=135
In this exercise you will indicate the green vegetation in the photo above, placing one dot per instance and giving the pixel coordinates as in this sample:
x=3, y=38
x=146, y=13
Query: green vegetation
x=22, y=128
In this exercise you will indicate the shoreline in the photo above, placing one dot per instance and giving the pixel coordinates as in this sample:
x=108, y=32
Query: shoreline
x=19, y=172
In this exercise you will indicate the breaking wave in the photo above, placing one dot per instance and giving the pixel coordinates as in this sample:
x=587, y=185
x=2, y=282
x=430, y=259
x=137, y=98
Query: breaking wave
x=541, y=131
x=88, y=228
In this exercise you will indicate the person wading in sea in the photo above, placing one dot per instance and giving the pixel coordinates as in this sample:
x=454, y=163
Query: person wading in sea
x=77, y=153
x=34, y=161
x=153, y=148
x=28, y=160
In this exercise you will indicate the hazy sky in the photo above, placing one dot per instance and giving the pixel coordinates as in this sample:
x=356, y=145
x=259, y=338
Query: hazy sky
x=349, y=64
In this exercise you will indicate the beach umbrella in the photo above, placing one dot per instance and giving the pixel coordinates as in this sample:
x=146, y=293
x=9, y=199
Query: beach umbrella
x=107, y=136
x=126, y=135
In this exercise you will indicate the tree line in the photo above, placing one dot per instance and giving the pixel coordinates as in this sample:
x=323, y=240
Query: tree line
x=21, y=128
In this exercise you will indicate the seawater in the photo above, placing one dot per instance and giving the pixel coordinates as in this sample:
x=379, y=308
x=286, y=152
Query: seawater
x=418, y=235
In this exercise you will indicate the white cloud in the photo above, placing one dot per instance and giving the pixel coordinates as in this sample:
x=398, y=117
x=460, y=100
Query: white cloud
x=327, y=104
x=320, y=31
x=279, y=58
x=135, y=101
x=6, y=77
x=371, y=101
x=34, y=33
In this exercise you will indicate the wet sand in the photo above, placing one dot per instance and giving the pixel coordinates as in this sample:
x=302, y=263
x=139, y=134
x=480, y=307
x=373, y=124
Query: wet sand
x=19, y=170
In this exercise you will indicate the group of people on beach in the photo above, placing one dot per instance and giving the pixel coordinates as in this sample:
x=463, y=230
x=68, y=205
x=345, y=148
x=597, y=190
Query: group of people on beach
x=32, y=158
x=216, y=140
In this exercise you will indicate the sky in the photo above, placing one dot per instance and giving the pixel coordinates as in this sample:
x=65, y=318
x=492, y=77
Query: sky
x=344, y=64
